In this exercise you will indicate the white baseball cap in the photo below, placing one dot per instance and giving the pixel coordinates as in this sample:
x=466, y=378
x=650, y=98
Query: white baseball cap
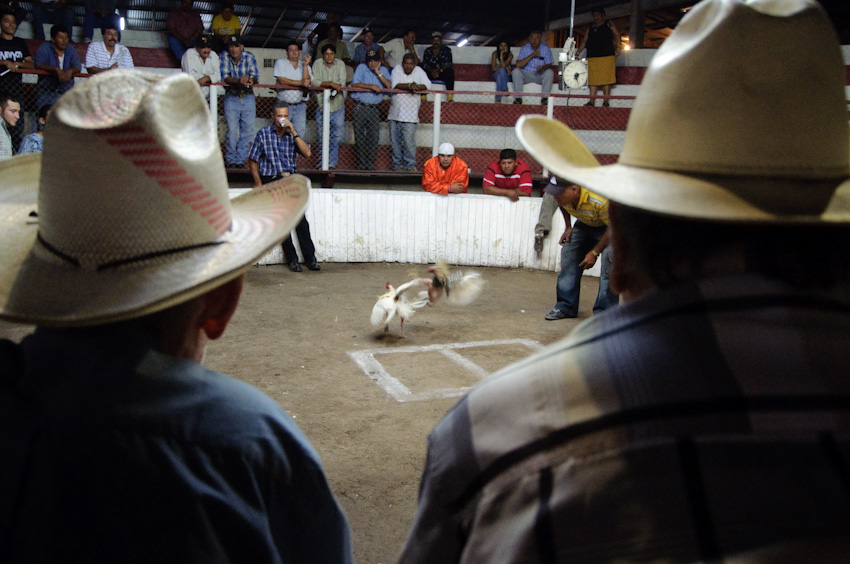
x=446, y=149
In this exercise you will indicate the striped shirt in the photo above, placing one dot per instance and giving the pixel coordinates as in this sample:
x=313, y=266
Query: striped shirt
x=694, y=423
x=592, y=209
x=521, y=177
x=247, y=66
x=98, y=56
x=274, y=153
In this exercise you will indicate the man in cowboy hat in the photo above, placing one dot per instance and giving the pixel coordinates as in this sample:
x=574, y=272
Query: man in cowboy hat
x=706, y=419
x=129, y=257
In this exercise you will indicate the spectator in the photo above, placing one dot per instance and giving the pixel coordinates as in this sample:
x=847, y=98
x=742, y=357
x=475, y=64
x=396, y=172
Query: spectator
x=320, y=32
x=203, y=64
x=117, y=443
x=225, y=25
x=34, y=142
x=404, y=111
x=534, y=64
x=100, y=13
x=271, y=158
x=437, y=62
x=335, y=38
x=446, y=173
x=366, y=116
x=55, y=12
x=108, y=54
x=368, y=44
x=293, y=71
x=396, y=49
x=705, y=420
x=501, y=65
x=239, y=71
x=184, y=28
x=10, y=111
x=508, y=177
x=13, y=7
x=328, y=72
x=603, y=42
x=60, y=62
x=582, y=244
x=14, y=55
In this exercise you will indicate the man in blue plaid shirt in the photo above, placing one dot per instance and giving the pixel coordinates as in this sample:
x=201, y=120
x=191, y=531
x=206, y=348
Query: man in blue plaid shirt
x=272, y=156
x=239, y=71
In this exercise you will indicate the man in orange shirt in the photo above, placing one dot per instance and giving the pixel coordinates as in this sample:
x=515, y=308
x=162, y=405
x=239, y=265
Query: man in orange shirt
x=446, y=173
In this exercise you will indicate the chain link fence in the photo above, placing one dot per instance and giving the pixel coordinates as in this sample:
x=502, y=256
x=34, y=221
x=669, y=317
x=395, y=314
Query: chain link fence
x=399, y=131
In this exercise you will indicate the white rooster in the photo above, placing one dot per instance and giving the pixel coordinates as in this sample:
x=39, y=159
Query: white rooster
x=401, y=302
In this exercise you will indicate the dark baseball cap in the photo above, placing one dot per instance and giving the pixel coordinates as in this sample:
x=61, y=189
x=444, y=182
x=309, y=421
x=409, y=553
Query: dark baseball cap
x=203, y=41
x=372, y=55
x=235, y=40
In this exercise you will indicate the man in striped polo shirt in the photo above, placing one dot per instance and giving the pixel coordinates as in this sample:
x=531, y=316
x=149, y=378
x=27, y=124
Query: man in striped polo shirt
x=583, y=244
x=706, y=418
x=508, y=177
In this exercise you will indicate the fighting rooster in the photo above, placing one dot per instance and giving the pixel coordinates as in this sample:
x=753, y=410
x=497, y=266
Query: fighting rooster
x=460, y=289
x=401, y=302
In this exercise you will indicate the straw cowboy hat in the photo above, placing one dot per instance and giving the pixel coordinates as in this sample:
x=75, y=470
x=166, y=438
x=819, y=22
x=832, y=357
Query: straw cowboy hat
x=127, y=211
x=741, y=117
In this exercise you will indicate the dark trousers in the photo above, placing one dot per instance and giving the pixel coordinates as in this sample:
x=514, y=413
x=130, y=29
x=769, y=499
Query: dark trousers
x=308, y=250
x=447, y=76
x=366, y=120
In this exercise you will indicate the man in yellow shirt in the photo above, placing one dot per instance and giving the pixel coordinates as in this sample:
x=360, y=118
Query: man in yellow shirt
x=225, y=25
x=582, y=245
x=446, y=173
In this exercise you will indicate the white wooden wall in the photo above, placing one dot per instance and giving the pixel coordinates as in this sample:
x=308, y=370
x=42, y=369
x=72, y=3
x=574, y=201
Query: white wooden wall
x=350, y=225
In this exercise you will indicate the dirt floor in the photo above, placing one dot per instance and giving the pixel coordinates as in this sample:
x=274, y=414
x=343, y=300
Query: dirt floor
x=298, y=337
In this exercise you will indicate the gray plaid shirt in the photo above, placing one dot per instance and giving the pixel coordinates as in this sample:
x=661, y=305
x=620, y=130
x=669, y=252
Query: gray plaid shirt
x=694, y=423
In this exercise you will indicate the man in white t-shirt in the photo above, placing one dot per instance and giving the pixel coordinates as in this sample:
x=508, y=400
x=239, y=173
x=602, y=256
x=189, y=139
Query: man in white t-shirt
x=396, y=48
x=294, y=71
x=404, y=112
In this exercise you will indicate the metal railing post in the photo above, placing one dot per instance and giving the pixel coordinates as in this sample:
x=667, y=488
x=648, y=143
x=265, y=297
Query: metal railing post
x=437, y=110
x=326, y=126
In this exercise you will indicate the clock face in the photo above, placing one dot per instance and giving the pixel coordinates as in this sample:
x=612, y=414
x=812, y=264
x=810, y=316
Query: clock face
x=575, y=75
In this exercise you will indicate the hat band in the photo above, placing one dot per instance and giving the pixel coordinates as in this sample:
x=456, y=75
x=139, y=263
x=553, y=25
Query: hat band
x=124, y=261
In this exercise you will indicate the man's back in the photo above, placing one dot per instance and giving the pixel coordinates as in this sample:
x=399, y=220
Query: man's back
x=668, y=428
x=116, y=452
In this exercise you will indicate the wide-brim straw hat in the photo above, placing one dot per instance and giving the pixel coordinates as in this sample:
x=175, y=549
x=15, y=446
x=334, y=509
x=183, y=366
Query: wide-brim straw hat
x=741, y=117
x=127, y=210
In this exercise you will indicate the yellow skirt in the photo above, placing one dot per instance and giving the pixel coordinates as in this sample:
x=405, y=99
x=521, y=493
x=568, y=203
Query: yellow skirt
x=601, y=71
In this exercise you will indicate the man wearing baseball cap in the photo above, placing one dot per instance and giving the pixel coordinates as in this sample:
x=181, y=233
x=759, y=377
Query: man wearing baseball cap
x=705, y=419
x=446, y=173
x=583, y=244
x=366, y=116
x=120, y=243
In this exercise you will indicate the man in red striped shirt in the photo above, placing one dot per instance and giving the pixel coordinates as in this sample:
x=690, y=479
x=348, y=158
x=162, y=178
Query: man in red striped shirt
x=508, y=177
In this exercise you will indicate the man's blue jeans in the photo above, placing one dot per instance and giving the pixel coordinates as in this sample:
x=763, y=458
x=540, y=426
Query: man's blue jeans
x=583, y=239
x=240, y=114
x=298, y=117
x=337, y=130
x=403, y=141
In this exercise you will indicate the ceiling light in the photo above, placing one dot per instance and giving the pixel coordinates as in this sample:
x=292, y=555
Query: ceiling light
x=462, y=42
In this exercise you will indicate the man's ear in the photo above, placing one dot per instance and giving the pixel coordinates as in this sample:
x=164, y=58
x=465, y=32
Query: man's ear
x=219, y=306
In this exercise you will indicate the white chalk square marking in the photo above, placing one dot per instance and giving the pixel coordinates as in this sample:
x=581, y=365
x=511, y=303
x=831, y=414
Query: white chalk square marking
x=367, y=361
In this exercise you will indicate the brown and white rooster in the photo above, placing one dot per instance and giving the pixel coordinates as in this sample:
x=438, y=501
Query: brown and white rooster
x=460, y=288
x=401, y=302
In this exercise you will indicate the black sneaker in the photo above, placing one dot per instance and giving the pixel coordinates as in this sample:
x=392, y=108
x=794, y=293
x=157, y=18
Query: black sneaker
x=314, y=265
x=556, y=314
x=295, y=267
